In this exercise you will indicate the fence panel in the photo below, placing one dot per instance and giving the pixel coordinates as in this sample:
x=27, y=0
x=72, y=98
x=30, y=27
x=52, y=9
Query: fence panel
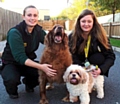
x=112, y=29
x=47, y=25
x=7, y=20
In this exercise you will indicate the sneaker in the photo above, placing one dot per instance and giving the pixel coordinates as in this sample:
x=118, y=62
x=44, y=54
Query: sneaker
x=13, y=96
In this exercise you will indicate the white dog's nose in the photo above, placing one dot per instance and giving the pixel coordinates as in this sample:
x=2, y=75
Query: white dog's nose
x=73, y=75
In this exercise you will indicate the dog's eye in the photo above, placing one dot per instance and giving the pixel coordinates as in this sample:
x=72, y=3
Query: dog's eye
x=78, y=73
x=71, y=72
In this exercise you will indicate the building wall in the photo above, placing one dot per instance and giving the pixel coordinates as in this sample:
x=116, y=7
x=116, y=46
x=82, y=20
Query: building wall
x=43, y=12
x=109, y=18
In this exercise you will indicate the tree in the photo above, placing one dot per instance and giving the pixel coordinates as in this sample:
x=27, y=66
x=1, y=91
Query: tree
x=2, y=0
x=100, y=7
x=77, y=6
x=74, y=10
x=110, y=6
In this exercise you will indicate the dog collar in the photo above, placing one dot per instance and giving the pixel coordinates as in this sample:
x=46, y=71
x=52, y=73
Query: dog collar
x=91, y=68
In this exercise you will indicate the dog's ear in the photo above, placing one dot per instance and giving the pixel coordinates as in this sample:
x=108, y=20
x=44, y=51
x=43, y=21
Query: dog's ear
x=84, y=77
x=65, y=40
x=83, y=74
x=65, y=76
x=84, y=81
x=48, y=39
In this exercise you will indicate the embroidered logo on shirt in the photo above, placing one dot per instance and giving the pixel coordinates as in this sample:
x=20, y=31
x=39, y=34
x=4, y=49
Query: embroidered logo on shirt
x=25, y=44
x=99, y=49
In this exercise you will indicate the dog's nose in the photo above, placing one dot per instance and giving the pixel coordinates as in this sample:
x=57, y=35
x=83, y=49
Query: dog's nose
x=59, y=28
x=73, y=75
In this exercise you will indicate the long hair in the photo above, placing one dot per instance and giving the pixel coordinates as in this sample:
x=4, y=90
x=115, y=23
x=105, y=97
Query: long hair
x=97, y=30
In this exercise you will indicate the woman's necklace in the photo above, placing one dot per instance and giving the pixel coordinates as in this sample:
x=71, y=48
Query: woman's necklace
x=86, y=50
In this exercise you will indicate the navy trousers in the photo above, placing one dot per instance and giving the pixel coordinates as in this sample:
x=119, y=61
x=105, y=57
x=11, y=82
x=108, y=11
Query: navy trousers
x=12, y=73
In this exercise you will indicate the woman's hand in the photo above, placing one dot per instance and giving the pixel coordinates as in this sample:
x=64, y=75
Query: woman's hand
x=44, y=67
x=96, y=72
x=48, y=70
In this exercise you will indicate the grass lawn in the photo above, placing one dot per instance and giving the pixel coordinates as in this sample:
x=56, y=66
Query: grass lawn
x=115, y=42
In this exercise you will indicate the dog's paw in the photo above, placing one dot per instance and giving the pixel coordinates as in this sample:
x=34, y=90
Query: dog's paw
x=100, y=96
x=73, y=99
x=66, y=99
x=49, y=87
x=43, y=101
x=84, y=103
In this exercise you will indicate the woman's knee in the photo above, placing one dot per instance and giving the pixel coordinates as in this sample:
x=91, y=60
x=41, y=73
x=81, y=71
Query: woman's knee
x=10, y=75
x=11, y=80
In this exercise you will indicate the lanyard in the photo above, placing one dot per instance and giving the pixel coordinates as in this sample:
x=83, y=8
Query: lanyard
x=86, y=49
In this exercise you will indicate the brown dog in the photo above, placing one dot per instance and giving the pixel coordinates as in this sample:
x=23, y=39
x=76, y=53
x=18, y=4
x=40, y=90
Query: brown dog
x=57, y=54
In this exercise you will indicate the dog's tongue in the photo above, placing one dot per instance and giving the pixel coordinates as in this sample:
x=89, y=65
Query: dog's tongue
x=58, y=37
x=73, y=80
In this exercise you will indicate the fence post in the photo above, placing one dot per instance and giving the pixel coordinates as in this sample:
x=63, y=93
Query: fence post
x=110, y=35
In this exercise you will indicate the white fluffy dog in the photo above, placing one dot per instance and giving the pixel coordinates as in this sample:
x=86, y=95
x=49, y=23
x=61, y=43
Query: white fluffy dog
x=80, y=83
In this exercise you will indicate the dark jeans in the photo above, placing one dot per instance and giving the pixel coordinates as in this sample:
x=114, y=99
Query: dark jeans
x=11, y=75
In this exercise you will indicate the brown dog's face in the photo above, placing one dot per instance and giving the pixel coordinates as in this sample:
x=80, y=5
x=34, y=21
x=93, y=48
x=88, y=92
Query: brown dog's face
x=56, y=35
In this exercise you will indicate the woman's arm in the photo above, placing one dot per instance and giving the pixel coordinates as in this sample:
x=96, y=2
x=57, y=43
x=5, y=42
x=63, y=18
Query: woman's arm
x=15, y=41
x=109, y=60
x=44, y=67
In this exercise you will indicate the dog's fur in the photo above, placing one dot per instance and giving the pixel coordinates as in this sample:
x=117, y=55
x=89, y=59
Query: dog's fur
x=80, y=83
x=56, y=53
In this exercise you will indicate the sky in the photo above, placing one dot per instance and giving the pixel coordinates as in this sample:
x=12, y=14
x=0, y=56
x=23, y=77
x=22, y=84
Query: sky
x=55, y=6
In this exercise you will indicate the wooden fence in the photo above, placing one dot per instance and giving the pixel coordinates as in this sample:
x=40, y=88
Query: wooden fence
x=47, y=25
x=7, y=20
x=112, y=29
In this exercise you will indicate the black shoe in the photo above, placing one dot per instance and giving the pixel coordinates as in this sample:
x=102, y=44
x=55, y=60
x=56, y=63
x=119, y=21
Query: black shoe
x=28, y=89
x=13, y=96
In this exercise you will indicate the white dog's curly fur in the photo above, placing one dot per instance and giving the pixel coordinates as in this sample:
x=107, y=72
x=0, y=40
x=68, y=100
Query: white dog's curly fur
x=80, y=83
